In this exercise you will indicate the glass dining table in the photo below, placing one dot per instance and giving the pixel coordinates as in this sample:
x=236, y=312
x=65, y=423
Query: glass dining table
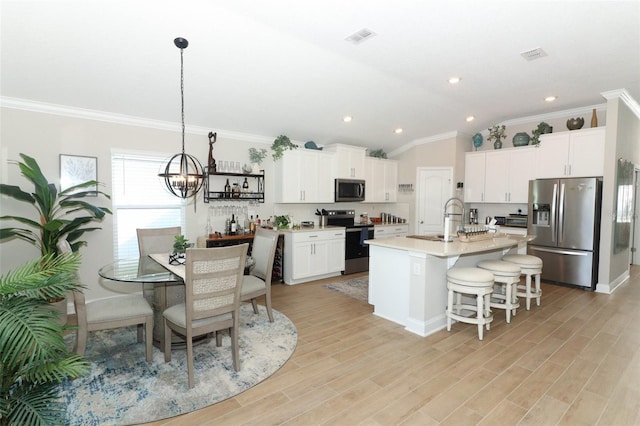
x=161, y=287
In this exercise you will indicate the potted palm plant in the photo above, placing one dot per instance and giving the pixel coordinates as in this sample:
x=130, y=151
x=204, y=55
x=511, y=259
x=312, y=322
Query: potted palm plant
x=33, y=355
x=58, y=212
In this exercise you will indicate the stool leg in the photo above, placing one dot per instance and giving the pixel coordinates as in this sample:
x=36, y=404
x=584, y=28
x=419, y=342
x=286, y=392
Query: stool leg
x=449, y=308
x=508, y=300
x=458, y=303
x=487, y=309
x=480, y=300
x=514, y=297
x=528, y=290
x=538, y=291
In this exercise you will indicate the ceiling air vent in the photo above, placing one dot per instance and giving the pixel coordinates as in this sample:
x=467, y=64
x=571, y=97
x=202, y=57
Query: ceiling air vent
x=532, y=54
x=360, y=36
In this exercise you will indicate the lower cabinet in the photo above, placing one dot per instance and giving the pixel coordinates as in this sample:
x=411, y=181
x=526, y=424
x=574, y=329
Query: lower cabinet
x=388, y=231
x=311, y=255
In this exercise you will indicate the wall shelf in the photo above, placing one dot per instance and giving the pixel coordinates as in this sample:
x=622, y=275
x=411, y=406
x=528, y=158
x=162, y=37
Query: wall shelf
x=218, y=180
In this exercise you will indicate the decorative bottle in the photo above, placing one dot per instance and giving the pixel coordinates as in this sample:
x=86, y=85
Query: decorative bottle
x=234, y=225
x=227, y=189
x=594, y=118
x=245, y=187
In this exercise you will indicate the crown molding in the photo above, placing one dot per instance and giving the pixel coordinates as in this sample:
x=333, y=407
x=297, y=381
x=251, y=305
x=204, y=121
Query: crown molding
x=423, y=141
x=127, y=120
x=554, y=115
x=623, y=95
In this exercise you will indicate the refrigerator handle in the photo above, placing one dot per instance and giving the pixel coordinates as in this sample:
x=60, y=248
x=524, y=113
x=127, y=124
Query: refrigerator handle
x=553, y=212
x=561, y=215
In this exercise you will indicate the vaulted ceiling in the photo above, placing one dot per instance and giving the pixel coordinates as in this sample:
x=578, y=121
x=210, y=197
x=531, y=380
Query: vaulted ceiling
x=285, y=67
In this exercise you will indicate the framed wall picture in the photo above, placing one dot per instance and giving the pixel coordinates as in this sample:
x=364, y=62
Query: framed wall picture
x=77, y=169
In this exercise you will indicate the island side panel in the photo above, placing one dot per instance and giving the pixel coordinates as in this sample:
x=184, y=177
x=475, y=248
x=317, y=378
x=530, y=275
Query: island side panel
x=428, y=294
x=389, y=283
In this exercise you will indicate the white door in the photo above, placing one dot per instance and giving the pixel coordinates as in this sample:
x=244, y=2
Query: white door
x=434, y=188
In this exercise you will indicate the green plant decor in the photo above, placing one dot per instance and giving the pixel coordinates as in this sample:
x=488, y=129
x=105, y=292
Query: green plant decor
x=282, y=222
x=541, y=129
x=378, y=153
x=58, y=212
x=33, y=355
x=281, y=144
x=181, y=244
x=257, y=155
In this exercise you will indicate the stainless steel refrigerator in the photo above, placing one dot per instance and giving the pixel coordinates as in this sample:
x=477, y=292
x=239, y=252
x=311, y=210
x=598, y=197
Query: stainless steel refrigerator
x=564, y=216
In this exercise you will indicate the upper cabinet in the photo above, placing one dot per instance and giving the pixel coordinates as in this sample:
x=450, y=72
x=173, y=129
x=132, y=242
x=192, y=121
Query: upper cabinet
x=381, y=177
x=348, y=161
x=474, y=167
x=500, y=176
x=576, y=153
x=303, y=176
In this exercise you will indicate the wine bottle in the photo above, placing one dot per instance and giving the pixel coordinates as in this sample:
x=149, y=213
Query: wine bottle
x=227, y=189
x=234, y=225
x=245, y=187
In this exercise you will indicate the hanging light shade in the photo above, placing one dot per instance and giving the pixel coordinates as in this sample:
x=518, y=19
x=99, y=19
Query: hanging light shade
x=183, y=174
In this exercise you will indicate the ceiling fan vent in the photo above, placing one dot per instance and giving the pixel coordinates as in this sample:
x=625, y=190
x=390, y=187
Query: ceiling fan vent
x=360, y=36
x=532, y=54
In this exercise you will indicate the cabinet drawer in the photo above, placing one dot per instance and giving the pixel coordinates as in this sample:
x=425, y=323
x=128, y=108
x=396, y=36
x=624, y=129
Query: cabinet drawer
x=300, y=237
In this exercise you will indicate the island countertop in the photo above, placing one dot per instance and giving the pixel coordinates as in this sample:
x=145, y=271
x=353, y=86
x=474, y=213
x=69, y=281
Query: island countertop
x=452, y=248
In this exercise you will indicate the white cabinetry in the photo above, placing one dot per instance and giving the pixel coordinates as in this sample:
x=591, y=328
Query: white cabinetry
x=474, y=166
x=348, y=161
x=311, y=255
x=500, y=176
x=388, y=231
x=303, y=176
x=576, y=153
x=381, y=177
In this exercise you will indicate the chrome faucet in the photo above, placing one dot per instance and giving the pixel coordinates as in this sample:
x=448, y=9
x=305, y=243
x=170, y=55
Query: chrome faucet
x=453, y=201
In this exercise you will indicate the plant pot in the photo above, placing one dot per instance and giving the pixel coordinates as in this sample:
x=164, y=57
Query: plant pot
x=177, y=258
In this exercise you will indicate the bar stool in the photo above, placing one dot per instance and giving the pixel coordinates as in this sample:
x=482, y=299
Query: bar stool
x=529, y=266
x=470, y=281
x=506, y=276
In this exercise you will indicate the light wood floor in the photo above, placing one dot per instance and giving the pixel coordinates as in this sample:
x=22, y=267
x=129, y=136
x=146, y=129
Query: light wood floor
x=575, y=360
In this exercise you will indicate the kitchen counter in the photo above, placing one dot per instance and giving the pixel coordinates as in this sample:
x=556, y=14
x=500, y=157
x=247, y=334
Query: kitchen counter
x=453, y=248
x=408, y=276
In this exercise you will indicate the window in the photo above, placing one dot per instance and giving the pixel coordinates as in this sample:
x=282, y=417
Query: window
x=140, y=200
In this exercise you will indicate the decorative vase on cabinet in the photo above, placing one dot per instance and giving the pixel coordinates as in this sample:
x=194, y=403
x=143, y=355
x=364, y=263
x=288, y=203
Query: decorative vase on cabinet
x=521, y=139
x=497, y=144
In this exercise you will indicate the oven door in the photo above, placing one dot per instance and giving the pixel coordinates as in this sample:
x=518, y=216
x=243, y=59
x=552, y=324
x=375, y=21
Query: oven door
x=355, y=247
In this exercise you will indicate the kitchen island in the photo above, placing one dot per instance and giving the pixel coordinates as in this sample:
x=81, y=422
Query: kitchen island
x=408, y=276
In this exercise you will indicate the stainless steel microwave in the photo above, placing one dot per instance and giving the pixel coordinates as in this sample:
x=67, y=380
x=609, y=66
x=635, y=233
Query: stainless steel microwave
x=349, y=190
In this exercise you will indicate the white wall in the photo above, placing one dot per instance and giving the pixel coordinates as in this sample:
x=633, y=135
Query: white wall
x=44, y=136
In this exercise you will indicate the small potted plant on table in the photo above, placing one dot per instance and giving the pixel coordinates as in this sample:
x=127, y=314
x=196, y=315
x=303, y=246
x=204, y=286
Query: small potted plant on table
x=180, y=246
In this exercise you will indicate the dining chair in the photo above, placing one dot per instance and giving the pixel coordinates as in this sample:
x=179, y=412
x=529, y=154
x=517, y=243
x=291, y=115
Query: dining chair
x=258, y=283
x=159, y=295
x=115, y=312
x=213, y=282
x=156, y=240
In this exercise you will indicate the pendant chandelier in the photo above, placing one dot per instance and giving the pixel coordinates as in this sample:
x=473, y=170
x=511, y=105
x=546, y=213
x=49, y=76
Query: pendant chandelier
x=183, y=174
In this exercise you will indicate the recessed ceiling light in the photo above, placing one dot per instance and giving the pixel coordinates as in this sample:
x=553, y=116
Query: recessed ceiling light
x=550, y=98
x=454, y=80
x=347, y=118
x=398, y=130
x=470, y=118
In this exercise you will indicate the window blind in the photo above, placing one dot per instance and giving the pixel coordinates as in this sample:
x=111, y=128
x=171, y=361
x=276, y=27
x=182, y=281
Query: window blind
x=140, y=200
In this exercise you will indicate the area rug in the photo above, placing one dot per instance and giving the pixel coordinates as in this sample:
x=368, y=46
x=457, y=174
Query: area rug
x=123, y=388
x=357, y=288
